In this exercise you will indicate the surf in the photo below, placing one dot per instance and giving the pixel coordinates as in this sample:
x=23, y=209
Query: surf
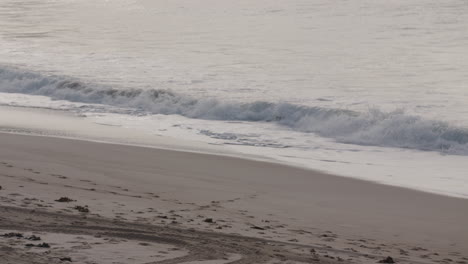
x=371, y=128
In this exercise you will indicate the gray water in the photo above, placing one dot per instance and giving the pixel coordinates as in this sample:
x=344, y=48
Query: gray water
x=346, y=54
x=366, y=88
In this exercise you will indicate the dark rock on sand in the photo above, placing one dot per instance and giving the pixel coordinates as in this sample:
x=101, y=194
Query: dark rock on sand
x=66, y=259
x=257, y=227
x=43, y=245
x=64, y=200
x=83, y=209
x=18, y=235
x=34, y=238
x=209, y=220
x=387, y=260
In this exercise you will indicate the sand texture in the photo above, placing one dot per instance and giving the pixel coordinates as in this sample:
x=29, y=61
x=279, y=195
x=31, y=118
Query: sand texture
x=103, y=203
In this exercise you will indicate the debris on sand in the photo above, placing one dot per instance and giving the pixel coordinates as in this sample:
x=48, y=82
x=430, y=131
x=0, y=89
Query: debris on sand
x=18, y=235
x=209, y=220
x=43, y=245
x=64, y=200
x=387, y=260
x=257, y=227
x=34, y=238
x=83, y=209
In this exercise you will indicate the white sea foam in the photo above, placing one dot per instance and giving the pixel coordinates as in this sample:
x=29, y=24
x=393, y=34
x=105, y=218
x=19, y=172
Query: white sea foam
x=374, y=127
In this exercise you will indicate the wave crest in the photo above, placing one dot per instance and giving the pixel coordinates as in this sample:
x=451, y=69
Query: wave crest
x=374, y=128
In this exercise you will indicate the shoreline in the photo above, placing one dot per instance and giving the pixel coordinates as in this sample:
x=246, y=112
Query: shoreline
x=72, y=127
x=262, y=159
x=249, y=198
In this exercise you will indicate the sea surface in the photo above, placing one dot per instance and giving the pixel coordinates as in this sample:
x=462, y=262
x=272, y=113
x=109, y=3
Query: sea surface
x=371, y=89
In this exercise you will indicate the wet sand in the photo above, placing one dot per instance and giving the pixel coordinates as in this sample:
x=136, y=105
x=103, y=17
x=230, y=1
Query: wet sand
x=213, y=209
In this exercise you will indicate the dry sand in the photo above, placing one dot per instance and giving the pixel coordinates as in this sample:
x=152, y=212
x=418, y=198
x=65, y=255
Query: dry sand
x=160, y=206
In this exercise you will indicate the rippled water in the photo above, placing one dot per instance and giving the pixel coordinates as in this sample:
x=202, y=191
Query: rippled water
x=352, y=54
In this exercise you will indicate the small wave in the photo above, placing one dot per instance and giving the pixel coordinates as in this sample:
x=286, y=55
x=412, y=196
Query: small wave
x=374, y=127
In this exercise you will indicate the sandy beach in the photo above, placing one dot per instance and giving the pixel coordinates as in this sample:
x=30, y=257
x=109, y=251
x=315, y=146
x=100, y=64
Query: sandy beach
x=144, y=205
x=212, y=132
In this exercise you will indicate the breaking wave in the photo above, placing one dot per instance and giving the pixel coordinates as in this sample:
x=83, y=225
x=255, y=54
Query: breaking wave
x=374, y=128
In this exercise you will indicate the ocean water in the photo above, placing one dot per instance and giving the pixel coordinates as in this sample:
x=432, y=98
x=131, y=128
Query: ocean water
x=376, y=90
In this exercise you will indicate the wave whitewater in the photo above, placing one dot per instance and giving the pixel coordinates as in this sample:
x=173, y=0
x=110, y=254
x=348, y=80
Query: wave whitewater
x=372, y=128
